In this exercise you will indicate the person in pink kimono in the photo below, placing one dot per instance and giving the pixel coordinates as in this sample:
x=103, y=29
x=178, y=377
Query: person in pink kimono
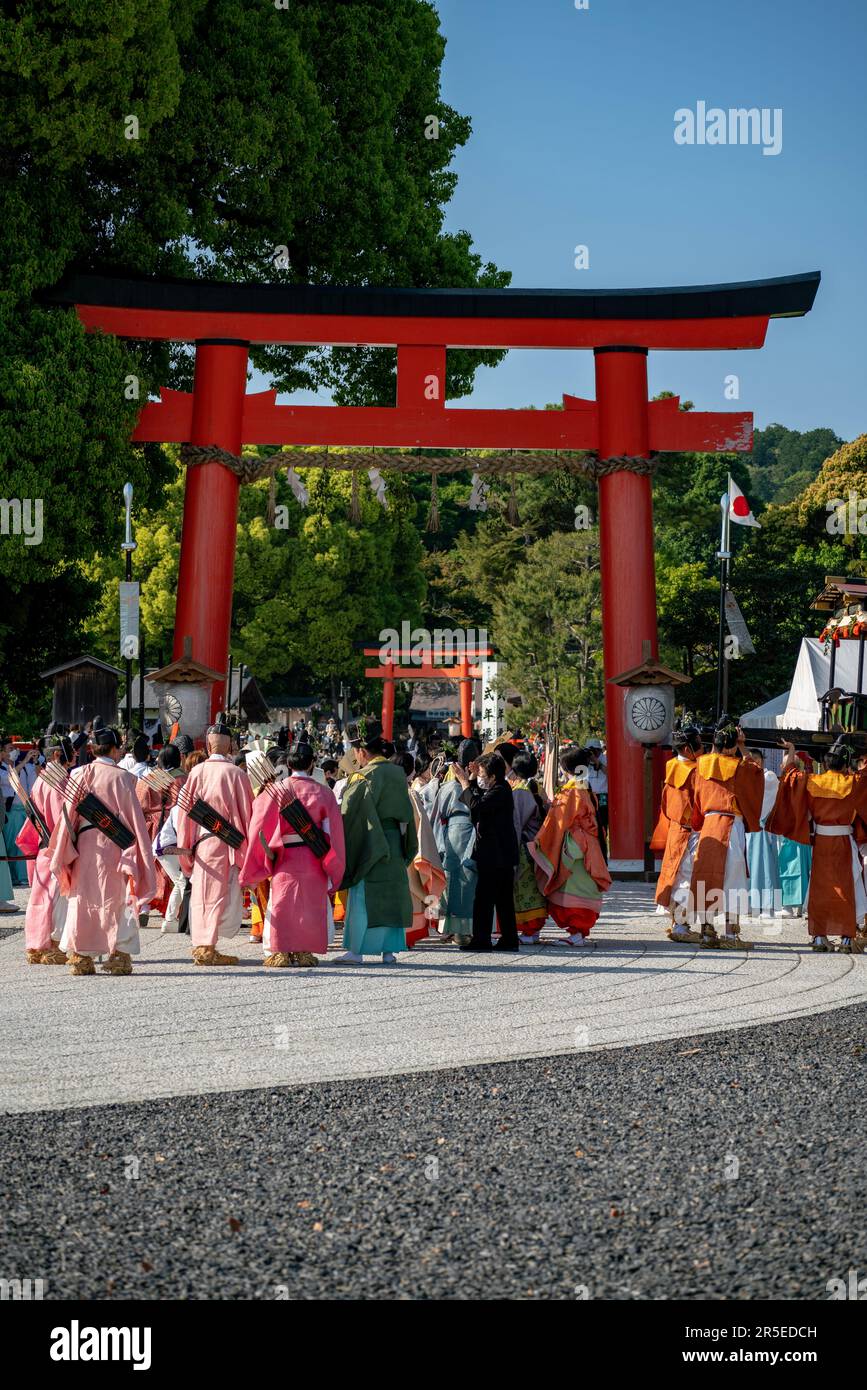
x=296, y=920
x=216, y=900
x=46, y=907
x=107, y=887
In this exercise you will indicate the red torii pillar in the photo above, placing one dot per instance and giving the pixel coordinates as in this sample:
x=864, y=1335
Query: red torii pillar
x=628, y=575
x=207, y=565
x=388, y=700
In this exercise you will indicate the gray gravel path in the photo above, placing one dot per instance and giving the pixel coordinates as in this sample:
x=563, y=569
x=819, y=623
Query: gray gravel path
x=607, y=1175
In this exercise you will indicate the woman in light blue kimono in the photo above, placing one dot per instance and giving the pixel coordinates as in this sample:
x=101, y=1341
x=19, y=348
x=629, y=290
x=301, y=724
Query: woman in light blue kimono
x=7, y=900
x=455, y=837
x=794, y=862
x=762, y=853
x=25, y=765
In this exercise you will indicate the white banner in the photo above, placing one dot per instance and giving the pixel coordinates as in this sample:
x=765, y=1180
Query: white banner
x=737, y=627
x=493, y=704
x=129, y=615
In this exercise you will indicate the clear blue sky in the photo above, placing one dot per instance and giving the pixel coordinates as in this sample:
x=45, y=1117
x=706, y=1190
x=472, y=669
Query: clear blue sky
x=573, y=142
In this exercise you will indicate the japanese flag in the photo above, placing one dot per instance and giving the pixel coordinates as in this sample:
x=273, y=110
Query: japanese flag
x=739, y=508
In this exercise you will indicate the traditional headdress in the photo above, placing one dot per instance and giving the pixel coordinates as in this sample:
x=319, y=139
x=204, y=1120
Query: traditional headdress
x=55, y=742
x=105, y=738
x=842, y=750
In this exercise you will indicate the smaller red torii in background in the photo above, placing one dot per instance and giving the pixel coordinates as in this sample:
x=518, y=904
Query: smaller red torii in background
x=464, y=671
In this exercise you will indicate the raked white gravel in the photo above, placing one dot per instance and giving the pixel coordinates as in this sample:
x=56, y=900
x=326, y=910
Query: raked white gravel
x=173, y=1028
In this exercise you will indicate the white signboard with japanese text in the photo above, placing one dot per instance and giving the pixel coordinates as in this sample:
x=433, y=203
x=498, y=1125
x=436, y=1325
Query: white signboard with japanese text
x=493, y=704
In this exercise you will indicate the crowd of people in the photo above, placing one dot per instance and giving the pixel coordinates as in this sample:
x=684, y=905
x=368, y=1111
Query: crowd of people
x=740, y=842
x=391, y=843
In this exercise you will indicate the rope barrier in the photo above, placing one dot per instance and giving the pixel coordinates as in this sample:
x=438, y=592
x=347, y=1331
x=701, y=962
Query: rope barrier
x=250, y=468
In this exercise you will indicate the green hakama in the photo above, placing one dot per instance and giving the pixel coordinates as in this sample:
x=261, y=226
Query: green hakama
x=381, y=841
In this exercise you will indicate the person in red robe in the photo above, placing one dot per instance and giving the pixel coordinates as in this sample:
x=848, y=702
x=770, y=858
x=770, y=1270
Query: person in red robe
x=822, y=809
x=676, y=832
x=729, y=790
x=157, y=805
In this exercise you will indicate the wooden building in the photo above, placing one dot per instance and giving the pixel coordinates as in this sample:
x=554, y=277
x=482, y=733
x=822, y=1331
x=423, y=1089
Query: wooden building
x=83, y=688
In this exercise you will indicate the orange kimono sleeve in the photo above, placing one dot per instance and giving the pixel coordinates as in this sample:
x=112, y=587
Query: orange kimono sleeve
x=749, y=788
x=860, y=819
x=659, y=838
x=791, y=814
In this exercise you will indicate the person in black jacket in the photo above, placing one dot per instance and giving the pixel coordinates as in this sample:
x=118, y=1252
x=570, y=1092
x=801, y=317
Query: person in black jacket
x=489, y=798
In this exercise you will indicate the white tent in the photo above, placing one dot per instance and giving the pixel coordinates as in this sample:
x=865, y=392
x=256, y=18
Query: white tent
x=767, y=716
x=812, y=680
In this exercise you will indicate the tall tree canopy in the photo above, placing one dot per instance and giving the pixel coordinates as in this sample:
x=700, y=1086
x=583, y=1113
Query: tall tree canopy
x=213, y=138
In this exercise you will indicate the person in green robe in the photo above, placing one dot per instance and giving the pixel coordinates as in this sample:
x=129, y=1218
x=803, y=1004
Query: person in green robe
x=381, y=841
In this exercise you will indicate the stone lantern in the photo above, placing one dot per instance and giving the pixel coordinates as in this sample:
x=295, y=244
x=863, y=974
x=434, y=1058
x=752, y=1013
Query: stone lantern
x=187, y=683
x=648, y=718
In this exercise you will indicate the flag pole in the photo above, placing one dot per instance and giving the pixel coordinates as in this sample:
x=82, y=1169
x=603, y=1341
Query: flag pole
x=723, y=555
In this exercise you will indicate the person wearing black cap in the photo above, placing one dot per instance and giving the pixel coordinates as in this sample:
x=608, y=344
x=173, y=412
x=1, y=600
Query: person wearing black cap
x=107, y=887
x=216, y=900
x=379, y=828
x=46, y=907
x=79, y=741
x=137, y=760
x=729, y=790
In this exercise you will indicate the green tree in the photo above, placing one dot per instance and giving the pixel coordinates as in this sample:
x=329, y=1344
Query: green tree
x=784, y=462
x=306, y=590
x=547, y=630
x=266, y=145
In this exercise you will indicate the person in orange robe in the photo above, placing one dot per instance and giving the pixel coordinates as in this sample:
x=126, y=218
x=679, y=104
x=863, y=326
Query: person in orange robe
x=729, y=790
x=675, y=831
x=828, y=802
x=570, y=867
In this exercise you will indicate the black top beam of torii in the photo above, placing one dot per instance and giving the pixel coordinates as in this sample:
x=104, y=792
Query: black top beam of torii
x=184, y=310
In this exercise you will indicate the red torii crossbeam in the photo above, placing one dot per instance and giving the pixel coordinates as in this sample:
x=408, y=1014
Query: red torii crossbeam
x=620, y=426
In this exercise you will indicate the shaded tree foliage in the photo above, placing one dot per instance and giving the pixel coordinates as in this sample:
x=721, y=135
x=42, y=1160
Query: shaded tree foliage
x=267, y=144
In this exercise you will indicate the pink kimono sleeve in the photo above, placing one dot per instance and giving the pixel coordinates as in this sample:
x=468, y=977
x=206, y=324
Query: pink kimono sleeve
x=243, y=802
x=258, y=865
x=65, y=854
x=137, y=862
x=334, y=862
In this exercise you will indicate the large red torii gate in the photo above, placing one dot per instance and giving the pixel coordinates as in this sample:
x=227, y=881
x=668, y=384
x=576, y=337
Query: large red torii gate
x=621, y=426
